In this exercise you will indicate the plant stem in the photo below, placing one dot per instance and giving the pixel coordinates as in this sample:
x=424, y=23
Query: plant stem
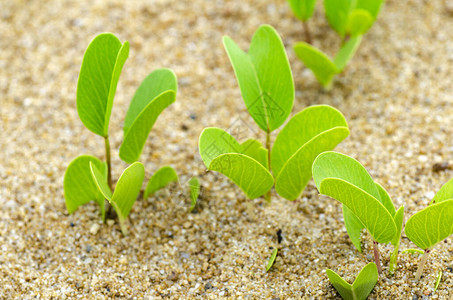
x=268, y=147
x=394, y=259
x=421, y=264
x=109, y=164
x=376, y=256
x=307, y=32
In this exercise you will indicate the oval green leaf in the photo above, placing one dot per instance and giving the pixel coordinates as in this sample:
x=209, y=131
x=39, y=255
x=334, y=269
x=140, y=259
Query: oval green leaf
x=160, y=179
x=79, y=187
x=431, y=225
x=302, y=9
x=101, y=182
x=346, y=52
x=445, y=193
x=359, y=22
x=135, y=138
x=353, y=226
x=101, y=67
x=372, y=6
x=271, y=261
x=310, y=132
x=317, y=61
x=251, y=176
x=264, y=77
x=255, y=150
x=214, y=142
x=337, y=13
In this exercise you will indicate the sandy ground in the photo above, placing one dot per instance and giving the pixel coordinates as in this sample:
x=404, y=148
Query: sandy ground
x=396, y=95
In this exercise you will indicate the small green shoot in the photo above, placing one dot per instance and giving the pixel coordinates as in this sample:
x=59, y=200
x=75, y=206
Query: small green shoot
x=266, y=84
x=159, y=180
x=126, y=190
x=194, y=187
x=271, y=261
x=432, y=224
x=365, y=203
x=322, y=65
x=98, y=79
x=439, y=278
x=360, y=288
x=303, y=10
x=351, y=18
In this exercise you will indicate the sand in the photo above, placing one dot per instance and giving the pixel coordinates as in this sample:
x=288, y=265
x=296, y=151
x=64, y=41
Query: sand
x=396, y=95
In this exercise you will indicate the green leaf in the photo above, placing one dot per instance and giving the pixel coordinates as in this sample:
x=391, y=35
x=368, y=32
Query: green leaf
x=98, y=79
x=385, y=199
x=362, y=286
x=79, y=187
x=439, y=277
x=372, y=6
x=337, y=13
x=214, y=142
x=346, y=180
x=194, y=186
x=302, y=9
x=398, y=218
x=222, y=153
x=346, y=52
x=255, y=150
x=310, y=132
x=264, y=77
x=359, y=22
x=160, y=179
x=156, y=93
x=445, y=193
x=317, y=61
x=251, y=176
x=353, y=227
x=271, y=261
x=101, y=182
x=431, y=225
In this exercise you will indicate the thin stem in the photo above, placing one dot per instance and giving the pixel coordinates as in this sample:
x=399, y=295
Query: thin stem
x=268, y=147
x=394, y=259
x=307, y=32
x=107, y=159
x=421, y=265
x=376, y=256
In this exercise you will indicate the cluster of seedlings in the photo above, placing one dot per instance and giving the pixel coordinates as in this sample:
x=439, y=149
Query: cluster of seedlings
x=351, y=19
x=302, y=149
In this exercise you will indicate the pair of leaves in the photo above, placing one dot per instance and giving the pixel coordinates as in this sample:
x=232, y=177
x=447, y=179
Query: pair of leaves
x=264, y=77
x=360, y=288
x=322, y=65
x=98, y=79
x=126, y=190
x=434, y=223
x=366, y=204
x=302, y=9
x=312, y=131
x=352, y=17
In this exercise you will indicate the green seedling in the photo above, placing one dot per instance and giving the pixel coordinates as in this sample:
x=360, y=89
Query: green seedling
x=432, y=224
x=366, y=204
x=272, y=259
x=351, y=18
x=322, y=65
x=303, y=10
x=266, y=84
x=439, y=278
x=160, y=179
x=360, y=288
x=99, y=75
x=126, y=189
x=194, y=188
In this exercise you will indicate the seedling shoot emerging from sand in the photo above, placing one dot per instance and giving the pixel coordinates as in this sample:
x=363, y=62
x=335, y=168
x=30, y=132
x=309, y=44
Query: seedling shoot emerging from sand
x=266, y=84
x=365, y=203
x=87, y=178
x=303, y=10
x=432, y=224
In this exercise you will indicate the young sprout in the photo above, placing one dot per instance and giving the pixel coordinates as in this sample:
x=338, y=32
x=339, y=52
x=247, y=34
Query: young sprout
x=432, y=224
x=99, y=75
x=365, y=203
x=267, y=88
x=360, y=288
x=350, y=18
x=272, y=259
x=194, y=189
x=439, y=278
x=303, y=10
x=160, y=179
